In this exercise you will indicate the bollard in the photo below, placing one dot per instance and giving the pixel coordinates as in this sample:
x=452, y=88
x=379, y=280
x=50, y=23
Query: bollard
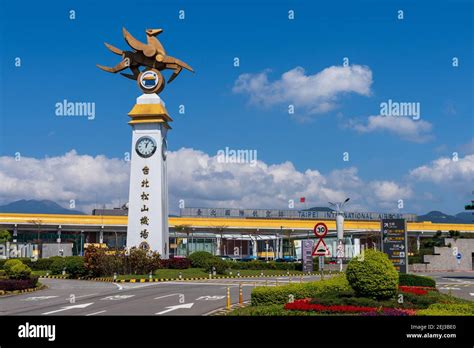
x=228, y=299
x=150, y=276
x=210, y=275
x=180, y=276
x=238, y=274
x=261, y=274
x=115, y=276
x=241, y=295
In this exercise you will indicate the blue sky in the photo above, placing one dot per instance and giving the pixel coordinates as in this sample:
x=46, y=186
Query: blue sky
x=409, y=59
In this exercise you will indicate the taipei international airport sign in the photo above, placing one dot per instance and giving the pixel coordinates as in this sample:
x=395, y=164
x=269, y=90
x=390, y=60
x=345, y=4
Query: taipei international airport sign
x=289, y=214
x=394, y=242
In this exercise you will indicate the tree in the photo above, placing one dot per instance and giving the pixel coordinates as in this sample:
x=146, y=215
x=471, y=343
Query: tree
x=5, y=236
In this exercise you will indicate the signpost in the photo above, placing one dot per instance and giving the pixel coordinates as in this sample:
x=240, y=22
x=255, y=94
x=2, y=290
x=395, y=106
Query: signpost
x=307, y=255
x=458, y=257
x=321, y=249
x=394, y=242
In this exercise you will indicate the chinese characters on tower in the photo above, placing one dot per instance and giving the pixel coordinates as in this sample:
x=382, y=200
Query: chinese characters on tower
x=145, y=197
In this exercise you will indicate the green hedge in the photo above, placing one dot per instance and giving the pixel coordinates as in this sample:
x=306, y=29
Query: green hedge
x=372, y=275
x=451, y=309
x=415, y=280
x=199, y=259
x=280, y=294
x=258, y=265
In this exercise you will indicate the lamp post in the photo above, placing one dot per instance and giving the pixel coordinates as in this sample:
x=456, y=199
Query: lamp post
x=340, y=230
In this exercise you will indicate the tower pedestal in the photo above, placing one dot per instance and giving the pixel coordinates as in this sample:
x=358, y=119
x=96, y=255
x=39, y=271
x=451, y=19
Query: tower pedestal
x=148, y=195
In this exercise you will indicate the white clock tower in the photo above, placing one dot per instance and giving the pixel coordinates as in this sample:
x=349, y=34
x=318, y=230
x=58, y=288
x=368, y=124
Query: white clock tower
x=148, y=195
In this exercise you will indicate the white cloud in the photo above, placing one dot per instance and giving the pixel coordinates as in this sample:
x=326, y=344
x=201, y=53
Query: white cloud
x=389, y=191
x=201, y=180
x=418, y=131
x=445, y=170
x=314, y=93
x=85, y=179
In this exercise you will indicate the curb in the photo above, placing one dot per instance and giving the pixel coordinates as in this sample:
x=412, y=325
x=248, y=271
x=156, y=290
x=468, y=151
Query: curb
x=54, y=277
x=18, y=292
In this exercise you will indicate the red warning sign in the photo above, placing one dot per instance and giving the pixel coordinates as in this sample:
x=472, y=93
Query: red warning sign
x=321, y=249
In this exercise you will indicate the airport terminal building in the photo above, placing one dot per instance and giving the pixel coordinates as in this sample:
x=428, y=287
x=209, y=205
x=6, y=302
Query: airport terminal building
x=238, y=233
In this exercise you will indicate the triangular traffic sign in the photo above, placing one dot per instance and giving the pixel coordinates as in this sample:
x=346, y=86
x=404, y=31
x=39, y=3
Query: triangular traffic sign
x=321, y=249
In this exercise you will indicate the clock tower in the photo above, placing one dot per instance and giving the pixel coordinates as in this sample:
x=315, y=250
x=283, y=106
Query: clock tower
x=148, y=195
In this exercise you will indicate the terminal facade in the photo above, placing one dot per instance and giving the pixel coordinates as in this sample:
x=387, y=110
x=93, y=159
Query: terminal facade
x=236, y=233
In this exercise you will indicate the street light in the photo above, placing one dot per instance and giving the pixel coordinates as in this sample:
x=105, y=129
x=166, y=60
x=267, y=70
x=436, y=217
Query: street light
x=340, y=229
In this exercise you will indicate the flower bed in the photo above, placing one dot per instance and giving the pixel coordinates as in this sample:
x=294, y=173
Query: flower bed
x=417, y=290
x=305, y=305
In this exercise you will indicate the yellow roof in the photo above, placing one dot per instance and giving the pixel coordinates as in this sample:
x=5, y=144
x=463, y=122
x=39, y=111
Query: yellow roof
x=227, y=223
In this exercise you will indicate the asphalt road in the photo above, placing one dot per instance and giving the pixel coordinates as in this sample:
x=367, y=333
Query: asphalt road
x=459, y=284
x=166, y=298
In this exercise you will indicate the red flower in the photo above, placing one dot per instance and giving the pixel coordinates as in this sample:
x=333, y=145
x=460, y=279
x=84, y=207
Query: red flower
x=305, y=305
x=417, y=290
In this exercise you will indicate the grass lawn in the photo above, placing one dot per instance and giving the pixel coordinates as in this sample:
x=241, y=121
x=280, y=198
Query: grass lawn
x=40, y=273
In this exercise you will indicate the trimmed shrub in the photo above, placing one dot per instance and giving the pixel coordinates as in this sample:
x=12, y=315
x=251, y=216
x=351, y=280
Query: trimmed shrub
x=9, y=264
x=217, y=264
x=57, y=265
x=18, y=284
x=142, y=262
x=264, y=295
x=175, y=263
x=75, y=266
x=41, y=264
x=199, y=258
x=98, y=264
x=15, y=269
x=373, y=276
x=415, y=280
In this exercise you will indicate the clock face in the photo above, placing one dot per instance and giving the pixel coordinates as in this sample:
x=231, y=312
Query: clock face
x=145, y=147
x=164, y=149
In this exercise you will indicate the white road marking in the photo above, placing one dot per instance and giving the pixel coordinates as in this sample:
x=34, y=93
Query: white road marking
x=157, y=298
x=38, y=298
x=117, y=297
x=449, y=288
x=69, y=307
x=172, y=308
x=95, y=313
x=120, y=287
x=83, y=296
x=210, y=298
x=471, y=293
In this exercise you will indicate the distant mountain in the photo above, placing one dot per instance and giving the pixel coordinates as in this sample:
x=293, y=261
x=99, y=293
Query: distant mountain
x=37, y=207
x=466, y=216
x=440, y=217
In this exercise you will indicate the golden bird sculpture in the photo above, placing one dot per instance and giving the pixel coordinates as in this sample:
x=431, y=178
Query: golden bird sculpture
x=152, y=56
